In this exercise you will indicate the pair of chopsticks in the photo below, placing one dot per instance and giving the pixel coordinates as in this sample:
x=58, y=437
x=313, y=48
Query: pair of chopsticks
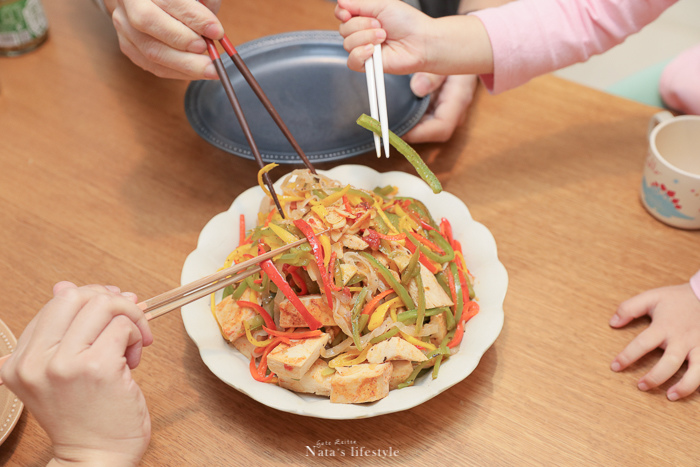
x=374, y=70
x=180, y=296
x=238, y=110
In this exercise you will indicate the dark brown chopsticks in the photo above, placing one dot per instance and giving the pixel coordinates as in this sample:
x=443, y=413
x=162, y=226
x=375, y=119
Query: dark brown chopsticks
x=237, y=109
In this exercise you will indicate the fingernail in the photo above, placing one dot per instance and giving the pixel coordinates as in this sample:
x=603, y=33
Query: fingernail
x=112, y=288
x=673, y=396
x=614, y=320
x=642, y=386
x=210, y=72
x=615, y=366
x=421, y=86
x=128, y=294
x=197, y=46
x=375, y=23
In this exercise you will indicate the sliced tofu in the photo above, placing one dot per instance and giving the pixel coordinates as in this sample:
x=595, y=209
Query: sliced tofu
x=394, y=348
x=435, y=295
x=317, y=306
x=311, y=382
x=353, y=242
x=441, y=322
x=292, y=361
x=245, y=347
x=401, y=370
x=356, y=384
x=231, y=316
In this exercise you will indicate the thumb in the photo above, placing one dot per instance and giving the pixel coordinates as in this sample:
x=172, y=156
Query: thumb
x=423, y=84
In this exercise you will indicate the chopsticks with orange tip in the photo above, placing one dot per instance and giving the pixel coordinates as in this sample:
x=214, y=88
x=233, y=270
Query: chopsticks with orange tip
x=238, y=110
x=180, y=296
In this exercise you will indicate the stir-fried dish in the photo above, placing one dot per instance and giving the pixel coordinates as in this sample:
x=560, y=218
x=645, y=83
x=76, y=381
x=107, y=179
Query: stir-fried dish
x=378, y=295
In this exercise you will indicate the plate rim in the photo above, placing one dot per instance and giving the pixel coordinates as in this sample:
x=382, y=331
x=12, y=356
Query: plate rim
x=317, y=406
x=9, y=420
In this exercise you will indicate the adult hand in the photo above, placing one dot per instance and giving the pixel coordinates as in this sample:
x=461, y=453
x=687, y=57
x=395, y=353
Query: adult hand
x=71, y=368
x=165, y=37
x=451, y=97
x=675, y=327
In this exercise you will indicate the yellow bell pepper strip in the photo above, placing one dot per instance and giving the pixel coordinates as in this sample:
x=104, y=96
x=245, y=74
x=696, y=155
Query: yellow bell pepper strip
x=411, y=269
x=332, y=198
x=317, y=250
x=372, y=304
x=387, y=335
x=349, y=358
x=283, y=234
x=422, y=258
x=326, y=244
x=407, y=151
x=281, y=283
x=378, y=316
x=355, y=316
x=390, y=279
x=252, y=339
x=420, y=308
x=262, y=172
x=259, y=310
x=417, y=342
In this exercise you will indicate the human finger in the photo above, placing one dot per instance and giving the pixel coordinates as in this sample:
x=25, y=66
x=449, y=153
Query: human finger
x=358, y=56
x=645, y=342
x=690, y=381
x=667, y=366
x=423, y=84
x=166, y=62
x=362, y=7
x=93, y=318
x=634, y=307
x=358, y=25
x=121, y=337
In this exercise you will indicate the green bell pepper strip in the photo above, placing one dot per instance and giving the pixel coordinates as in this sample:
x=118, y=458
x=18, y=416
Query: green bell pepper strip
x=277, y=278
x=449, y=254
x=414, y=374
x=449, y=318
x=383, y=191
x=362, y=322
x=420, y=309
x=459, y=306
x=318, y=254
x=228, y=290
x=444, y=245
x=365, y=121
x=391, y=280
x=411, y=269
x=387, y=335
x=381, y=225
x=256, y=322
x=412, y=314
x=355, y=316
x=442, y=280
x=444, y=354
x=238, y=292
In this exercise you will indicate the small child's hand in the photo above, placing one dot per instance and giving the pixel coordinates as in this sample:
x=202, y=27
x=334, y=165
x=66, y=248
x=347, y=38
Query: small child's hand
x=399, y=26
x=71, y=368
x=675, y=327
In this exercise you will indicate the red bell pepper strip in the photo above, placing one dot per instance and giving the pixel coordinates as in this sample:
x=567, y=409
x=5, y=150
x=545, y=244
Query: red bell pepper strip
x=293, y=271
x=241, y=230
x=318, y=254
x=446, y=230
x=293, y=335
x=471, y=311
x=275, y=276
x=260, y=310
x=423, y=259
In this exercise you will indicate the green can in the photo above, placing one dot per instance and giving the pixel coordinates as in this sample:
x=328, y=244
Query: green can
x=23, y=26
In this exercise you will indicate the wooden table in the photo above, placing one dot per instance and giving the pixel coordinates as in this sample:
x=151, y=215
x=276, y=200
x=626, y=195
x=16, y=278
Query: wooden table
x=104, y=181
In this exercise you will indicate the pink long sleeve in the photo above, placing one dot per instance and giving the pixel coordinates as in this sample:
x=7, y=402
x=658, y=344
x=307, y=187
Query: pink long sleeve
x=533, y=37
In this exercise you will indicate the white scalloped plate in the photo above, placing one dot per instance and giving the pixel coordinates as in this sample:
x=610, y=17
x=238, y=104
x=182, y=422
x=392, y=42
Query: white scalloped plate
x=10, y=406
x=220, y=236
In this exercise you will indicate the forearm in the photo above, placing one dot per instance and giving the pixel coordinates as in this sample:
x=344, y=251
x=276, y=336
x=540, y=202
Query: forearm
x=459, y=45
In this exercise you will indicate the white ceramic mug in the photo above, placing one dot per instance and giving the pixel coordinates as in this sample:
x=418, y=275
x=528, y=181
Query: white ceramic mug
x=671, y=183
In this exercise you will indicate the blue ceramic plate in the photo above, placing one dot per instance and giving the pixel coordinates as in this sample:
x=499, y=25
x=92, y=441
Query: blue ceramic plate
x=306, y=78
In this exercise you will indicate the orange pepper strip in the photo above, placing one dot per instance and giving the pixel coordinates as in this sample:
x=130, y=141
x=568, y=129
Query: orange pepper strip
x=429, y=244
x=241, y=230
x=471, y=311
x=372, y=304
x=293, y=335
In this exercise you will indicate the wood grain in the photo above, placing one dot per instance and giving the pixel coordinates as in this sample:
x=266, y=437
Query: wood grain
x=104, y=181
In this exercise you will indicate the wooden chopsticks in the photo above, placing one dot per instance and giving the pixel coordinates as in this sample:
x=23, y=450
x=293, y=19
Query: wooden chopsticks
x=238, y=110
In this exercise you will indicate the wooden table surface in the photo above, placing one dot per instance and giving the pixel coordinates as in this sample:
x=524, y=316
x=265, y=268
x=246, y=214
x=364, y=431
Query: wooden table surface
x=104, y=181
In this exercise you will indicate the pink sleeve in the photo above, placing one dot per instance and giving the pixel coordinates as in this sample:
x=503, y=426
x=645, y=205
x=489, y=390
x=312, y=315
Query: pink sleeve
x=695, y=284
x=533, y=37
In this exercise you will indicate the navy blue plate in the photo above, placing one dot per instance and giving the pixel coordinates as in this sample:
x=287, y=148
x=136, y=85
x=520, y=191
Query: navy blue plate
x=306, y=78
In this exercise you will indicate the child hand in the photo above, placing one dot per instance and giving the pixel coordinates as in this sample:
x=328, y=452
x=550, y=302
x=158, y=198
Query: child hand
x=165, y=37
x=71, y=368
x=451, y=97
x=399, y=26
x=675, y=327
